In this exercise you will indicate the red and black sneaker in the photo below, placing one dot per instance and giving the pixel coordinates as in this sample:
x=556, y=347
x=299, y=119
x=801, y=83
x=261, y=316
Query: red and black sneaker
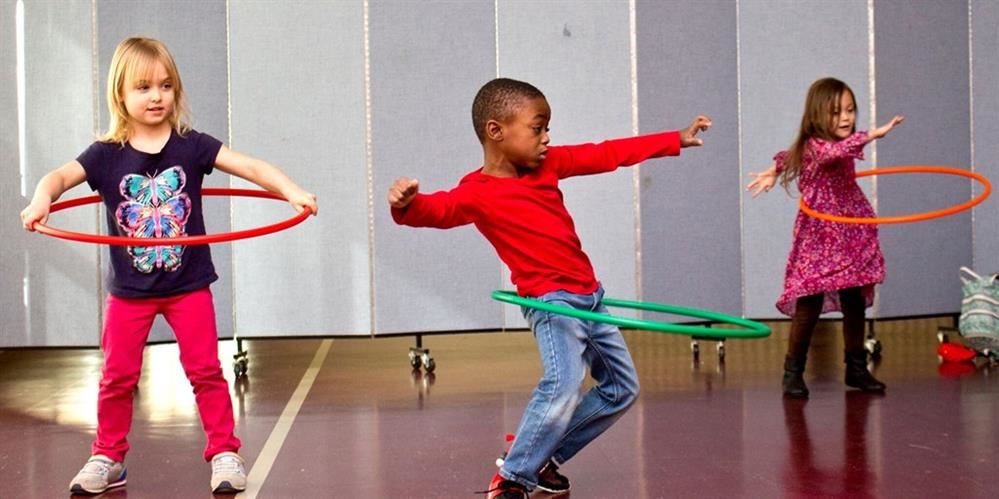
x=501, y=488
x=550, y=480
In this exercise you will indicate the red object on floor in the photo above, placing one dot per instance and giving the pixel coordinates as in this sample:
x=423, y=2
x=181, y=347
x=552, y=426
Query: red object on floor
x=952, y=352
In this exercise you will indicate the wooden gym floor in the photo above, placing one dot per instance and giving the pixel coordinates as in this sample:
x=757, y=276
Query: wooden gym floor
x=359, y=423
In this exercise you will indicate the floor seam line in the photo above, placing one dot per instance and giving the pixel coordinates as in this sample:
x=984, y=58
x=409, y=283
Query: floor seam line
x=265, y=460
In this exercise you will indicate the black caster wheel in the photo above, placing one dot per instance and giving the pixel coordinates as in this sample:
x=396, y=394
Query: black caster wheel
x=428, y=363
x=239, y=368
x=992, y=356
x=414, y=360
x=873, y=347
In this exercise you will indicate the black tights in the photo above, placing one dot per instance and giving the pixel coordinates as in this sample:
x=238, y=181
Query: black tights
x=806, y=315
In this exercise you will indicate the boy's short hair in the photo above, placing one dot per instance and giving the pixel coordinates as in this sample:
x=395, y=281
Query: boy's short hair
x=497, y=100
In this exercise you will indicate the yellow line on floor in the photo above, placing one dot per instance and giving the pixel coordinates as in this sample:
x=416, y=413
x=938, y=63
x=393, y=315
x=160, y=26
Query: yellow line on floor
x=262, y=466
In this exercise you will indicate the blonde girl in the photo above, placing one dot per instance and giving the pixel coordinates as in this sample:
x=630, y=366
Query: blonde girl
x=148, y=169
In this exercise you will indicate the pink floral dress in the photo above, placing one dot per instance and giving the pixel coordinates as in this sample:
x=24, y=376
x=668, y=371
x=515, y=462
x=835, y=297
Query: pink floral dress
x=830, y=256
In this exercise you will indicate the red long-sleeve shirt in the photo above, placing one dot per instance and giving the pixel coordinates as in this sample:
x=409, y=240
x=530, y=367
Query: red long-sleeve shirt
x=525, y=217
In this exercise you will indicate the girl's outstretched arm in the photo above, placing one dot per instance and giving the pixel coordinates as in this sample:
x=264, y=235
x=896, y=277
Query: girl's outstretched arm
x=49, y=188
x=764, y=181
x=267, y=176
x=826, y=153
x=883, y=130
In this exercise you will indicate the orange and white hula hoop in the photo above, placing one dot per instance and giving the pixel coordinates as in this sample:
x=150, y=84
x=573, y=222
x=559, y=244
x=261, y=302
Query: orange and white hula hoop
x=916, y=217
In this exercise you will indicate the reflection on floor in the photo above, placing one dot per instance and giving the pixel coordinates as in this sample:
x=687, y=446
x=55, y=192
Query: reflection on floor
x=371, y=427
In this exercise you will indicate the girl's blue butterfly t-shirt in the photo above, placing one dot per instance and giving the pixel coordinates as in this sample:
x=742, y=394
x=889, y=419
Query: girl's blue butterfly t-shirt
x=151, y=196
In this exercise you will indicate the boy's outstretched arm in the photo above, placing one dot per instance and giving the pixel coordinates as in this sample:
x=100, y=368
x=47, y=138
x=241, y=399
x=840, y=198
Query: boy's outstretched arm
x=440, y=210
x=49, y=188
x=607, y=156
x=402, y=192
x=267, y=176
x=688, y=136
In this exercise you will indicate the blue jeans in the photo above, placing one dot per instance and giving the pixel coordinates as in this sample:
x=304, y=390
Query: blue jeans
x=559, y=420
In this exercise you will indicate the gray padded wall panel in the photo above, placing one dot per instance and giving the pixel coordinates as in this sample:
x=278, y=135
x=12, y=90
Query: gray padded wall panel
x=578, y=54
x=784, y=46
x=61, y=276
x=13, y=330
x=299, y=104
x=690, y=205
x=428, y=59
x=13, y=326
x=985, y=138
x=922, y=73
x=196, y=37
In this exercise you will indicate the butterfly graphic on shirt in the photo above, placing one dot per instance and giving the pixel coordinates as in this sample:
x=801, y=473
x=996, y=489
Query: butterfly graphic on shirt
x=151, y=190
x=154, y=207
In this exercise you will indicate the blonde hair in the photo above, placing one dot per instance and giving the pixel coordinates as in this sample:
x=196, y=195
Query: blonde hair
x=823, y=98
x=134, y=59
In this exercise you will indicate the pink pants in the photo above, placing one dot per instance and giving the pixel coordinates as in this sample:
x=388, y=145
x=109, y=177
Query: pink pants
x=126, y=326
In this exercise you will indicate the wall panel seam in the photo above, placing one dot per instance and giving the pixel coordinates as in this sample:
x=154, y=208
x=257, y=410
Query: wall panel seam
x=971, y=122
x=496, y=47
x=95, y=75
x=742, y=200
x=228, y=122
x=369, y=164
x=636, y=177
x=872, y=121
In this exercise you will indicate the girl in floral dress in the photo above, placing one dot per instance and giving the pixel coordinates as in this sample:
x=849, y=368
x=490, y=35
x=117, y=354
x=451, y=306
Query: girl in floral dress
x=832, y=266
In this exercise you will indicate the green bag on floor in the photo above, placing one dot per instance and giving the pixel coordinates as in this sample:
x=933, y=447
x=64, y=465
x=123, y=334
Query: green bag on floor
x=979, y=321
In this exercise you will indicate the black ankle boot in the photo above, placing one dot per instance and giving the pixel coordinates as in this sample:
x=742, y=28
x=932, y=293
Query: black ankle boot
x=794, y=383
x=857, y=374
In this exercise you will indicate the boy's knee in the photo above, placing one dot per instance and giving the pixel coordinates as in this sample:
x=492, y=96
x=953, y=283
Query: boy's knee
x=625, y=391
x=560, y=394
x=630, y=393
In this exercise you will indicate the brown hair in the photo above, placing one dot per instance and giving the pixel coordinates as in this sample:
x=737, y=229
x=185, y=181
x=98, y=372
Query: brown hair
x=133, y=59
x=820, y=106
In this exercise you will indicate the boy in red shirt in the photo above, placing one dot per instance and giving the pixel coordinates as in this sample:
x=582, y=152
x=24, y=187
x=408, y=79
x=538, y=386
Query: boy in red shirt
x=515, y=202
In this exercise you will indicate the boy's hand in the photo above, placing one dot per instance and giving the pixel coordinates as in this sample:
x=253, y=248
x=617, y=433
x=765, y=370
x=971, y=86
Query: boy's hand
x=35, y=212
x=688, y=136
x=883, y=130
x=402, y=192
x=764, y=181
x=302, y=200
